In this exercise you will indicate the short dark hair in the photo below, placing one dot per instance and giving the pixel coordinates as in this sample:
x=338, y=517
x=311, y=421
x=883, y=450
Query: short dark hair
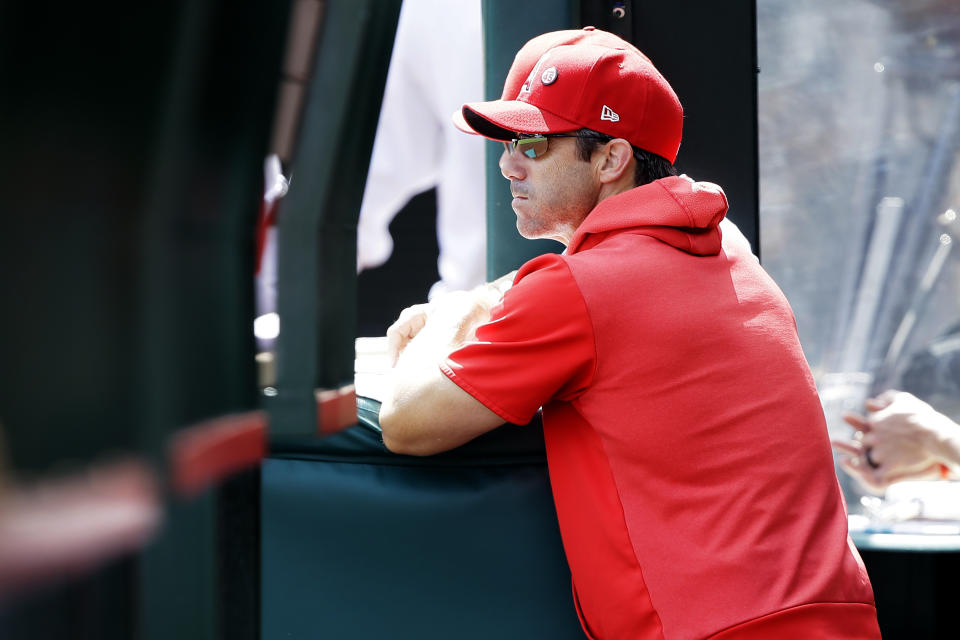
x=649, y=166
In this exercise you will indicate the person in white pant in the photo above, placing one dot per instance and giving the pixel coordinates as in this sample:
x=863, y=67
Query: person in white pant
x=437, y=59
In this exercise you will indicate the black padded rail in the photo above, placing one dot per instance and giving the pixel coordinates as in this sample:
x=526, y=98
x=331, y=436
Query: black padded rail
x=358, y=542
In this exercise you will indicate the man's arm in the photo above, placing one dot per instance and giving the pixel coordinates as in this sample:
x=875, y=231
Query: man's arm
x=424, y=412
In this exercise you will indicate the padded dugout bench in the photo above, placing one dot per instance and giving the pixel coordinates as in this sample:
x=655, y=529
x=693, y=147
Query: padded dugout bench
x=358, y=542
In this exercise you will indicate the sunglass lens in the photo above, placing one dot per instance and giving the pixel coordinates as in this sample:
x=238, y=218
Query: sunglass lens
x=533, y=147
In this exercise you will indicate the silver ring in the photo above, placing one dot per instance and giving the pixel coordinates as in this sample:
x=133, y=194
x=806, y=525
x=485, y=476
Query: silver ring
x=869, y=458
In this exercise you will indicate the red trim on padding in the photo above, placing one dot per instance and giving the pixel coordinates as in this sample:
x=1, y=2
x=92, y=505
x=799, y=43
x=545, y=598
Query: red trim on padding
x=266, y=219
x=336, y=409
x=208, y=452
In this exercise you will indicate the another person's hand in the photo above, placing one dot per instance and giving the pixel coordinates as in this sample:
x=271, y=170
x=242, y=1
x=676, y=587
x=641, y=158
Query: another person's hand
x=900, y=438
x=457, y=314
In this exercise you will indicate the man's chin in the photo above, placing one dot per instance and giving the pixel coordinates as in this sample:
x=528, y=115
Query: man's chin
x=526, y=231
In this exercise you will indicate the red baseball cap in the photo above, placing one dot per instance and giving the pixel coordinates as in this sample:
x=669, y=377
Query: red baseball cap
x=585, y=78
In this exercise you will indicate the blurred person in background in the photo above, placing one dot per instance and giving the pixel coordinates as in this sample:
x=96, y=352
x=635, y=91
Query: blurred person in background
x=911, y=433
x=415, y=149
x=901, y=437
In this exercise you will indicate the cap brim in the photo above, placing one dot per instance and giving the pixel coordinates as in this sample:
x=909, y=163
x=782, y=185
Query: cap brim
x=503, y=119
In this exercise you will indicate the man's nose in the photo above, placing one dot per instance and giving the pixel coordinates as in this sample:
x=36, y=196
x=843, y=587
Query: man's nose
x=511, y=165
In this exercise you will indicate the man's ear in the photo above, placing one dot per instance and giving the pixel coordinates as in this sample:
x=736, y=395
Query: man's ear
x=615, y=161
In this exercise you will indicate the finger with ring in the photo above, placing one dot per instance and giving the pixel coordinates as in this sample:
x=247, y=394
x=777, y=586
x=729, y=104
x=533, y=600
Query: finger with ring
x=867, y=455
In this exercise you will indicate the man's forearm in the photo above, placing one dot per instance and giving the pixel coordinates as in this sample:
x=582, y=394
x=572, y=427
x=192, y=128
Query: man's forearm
x=412, y=411
x=424, y=412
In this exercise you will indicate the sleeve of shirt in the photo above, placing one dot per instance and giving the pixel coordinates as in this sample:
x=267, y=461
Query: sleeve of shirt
x=537, y=347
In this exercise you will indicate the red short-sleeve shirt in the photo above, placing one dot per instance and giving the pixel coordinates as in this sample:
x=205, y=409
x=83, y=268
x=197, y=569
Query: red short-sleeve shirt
x=687, y=448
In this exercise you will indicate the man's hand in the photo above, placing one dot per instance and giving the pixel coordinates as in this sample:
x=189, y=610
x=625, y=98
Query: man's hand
x=424, y=412
x=455, y=316
x=901, y=438
x=407, y=326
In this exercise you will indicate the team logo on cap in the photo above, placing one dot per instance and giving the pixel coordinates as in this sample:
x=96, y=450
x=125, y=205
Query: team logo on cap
x=533, y=74
x=609, y=114
x=549, y=76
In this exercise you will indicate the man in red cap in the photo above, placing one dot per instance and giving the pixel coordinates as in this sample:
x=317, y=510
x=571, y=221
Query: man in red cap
x=688, y=453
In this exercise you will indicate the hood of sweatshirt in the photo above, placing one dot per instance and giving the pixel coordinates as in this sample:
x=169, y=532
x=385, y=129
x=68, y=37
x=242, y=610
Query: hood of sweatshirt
x=677, y=210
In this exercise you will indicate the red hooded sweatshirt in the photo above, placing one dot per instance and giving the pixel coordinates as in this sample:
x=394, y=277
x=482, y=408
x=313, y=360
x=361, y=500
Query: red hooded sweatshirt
x=686, y=444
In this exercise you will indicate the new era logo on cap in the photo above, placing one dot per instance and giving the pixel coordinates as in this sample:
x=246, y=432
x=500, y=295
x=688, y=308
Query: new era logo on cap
x=609, y=114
